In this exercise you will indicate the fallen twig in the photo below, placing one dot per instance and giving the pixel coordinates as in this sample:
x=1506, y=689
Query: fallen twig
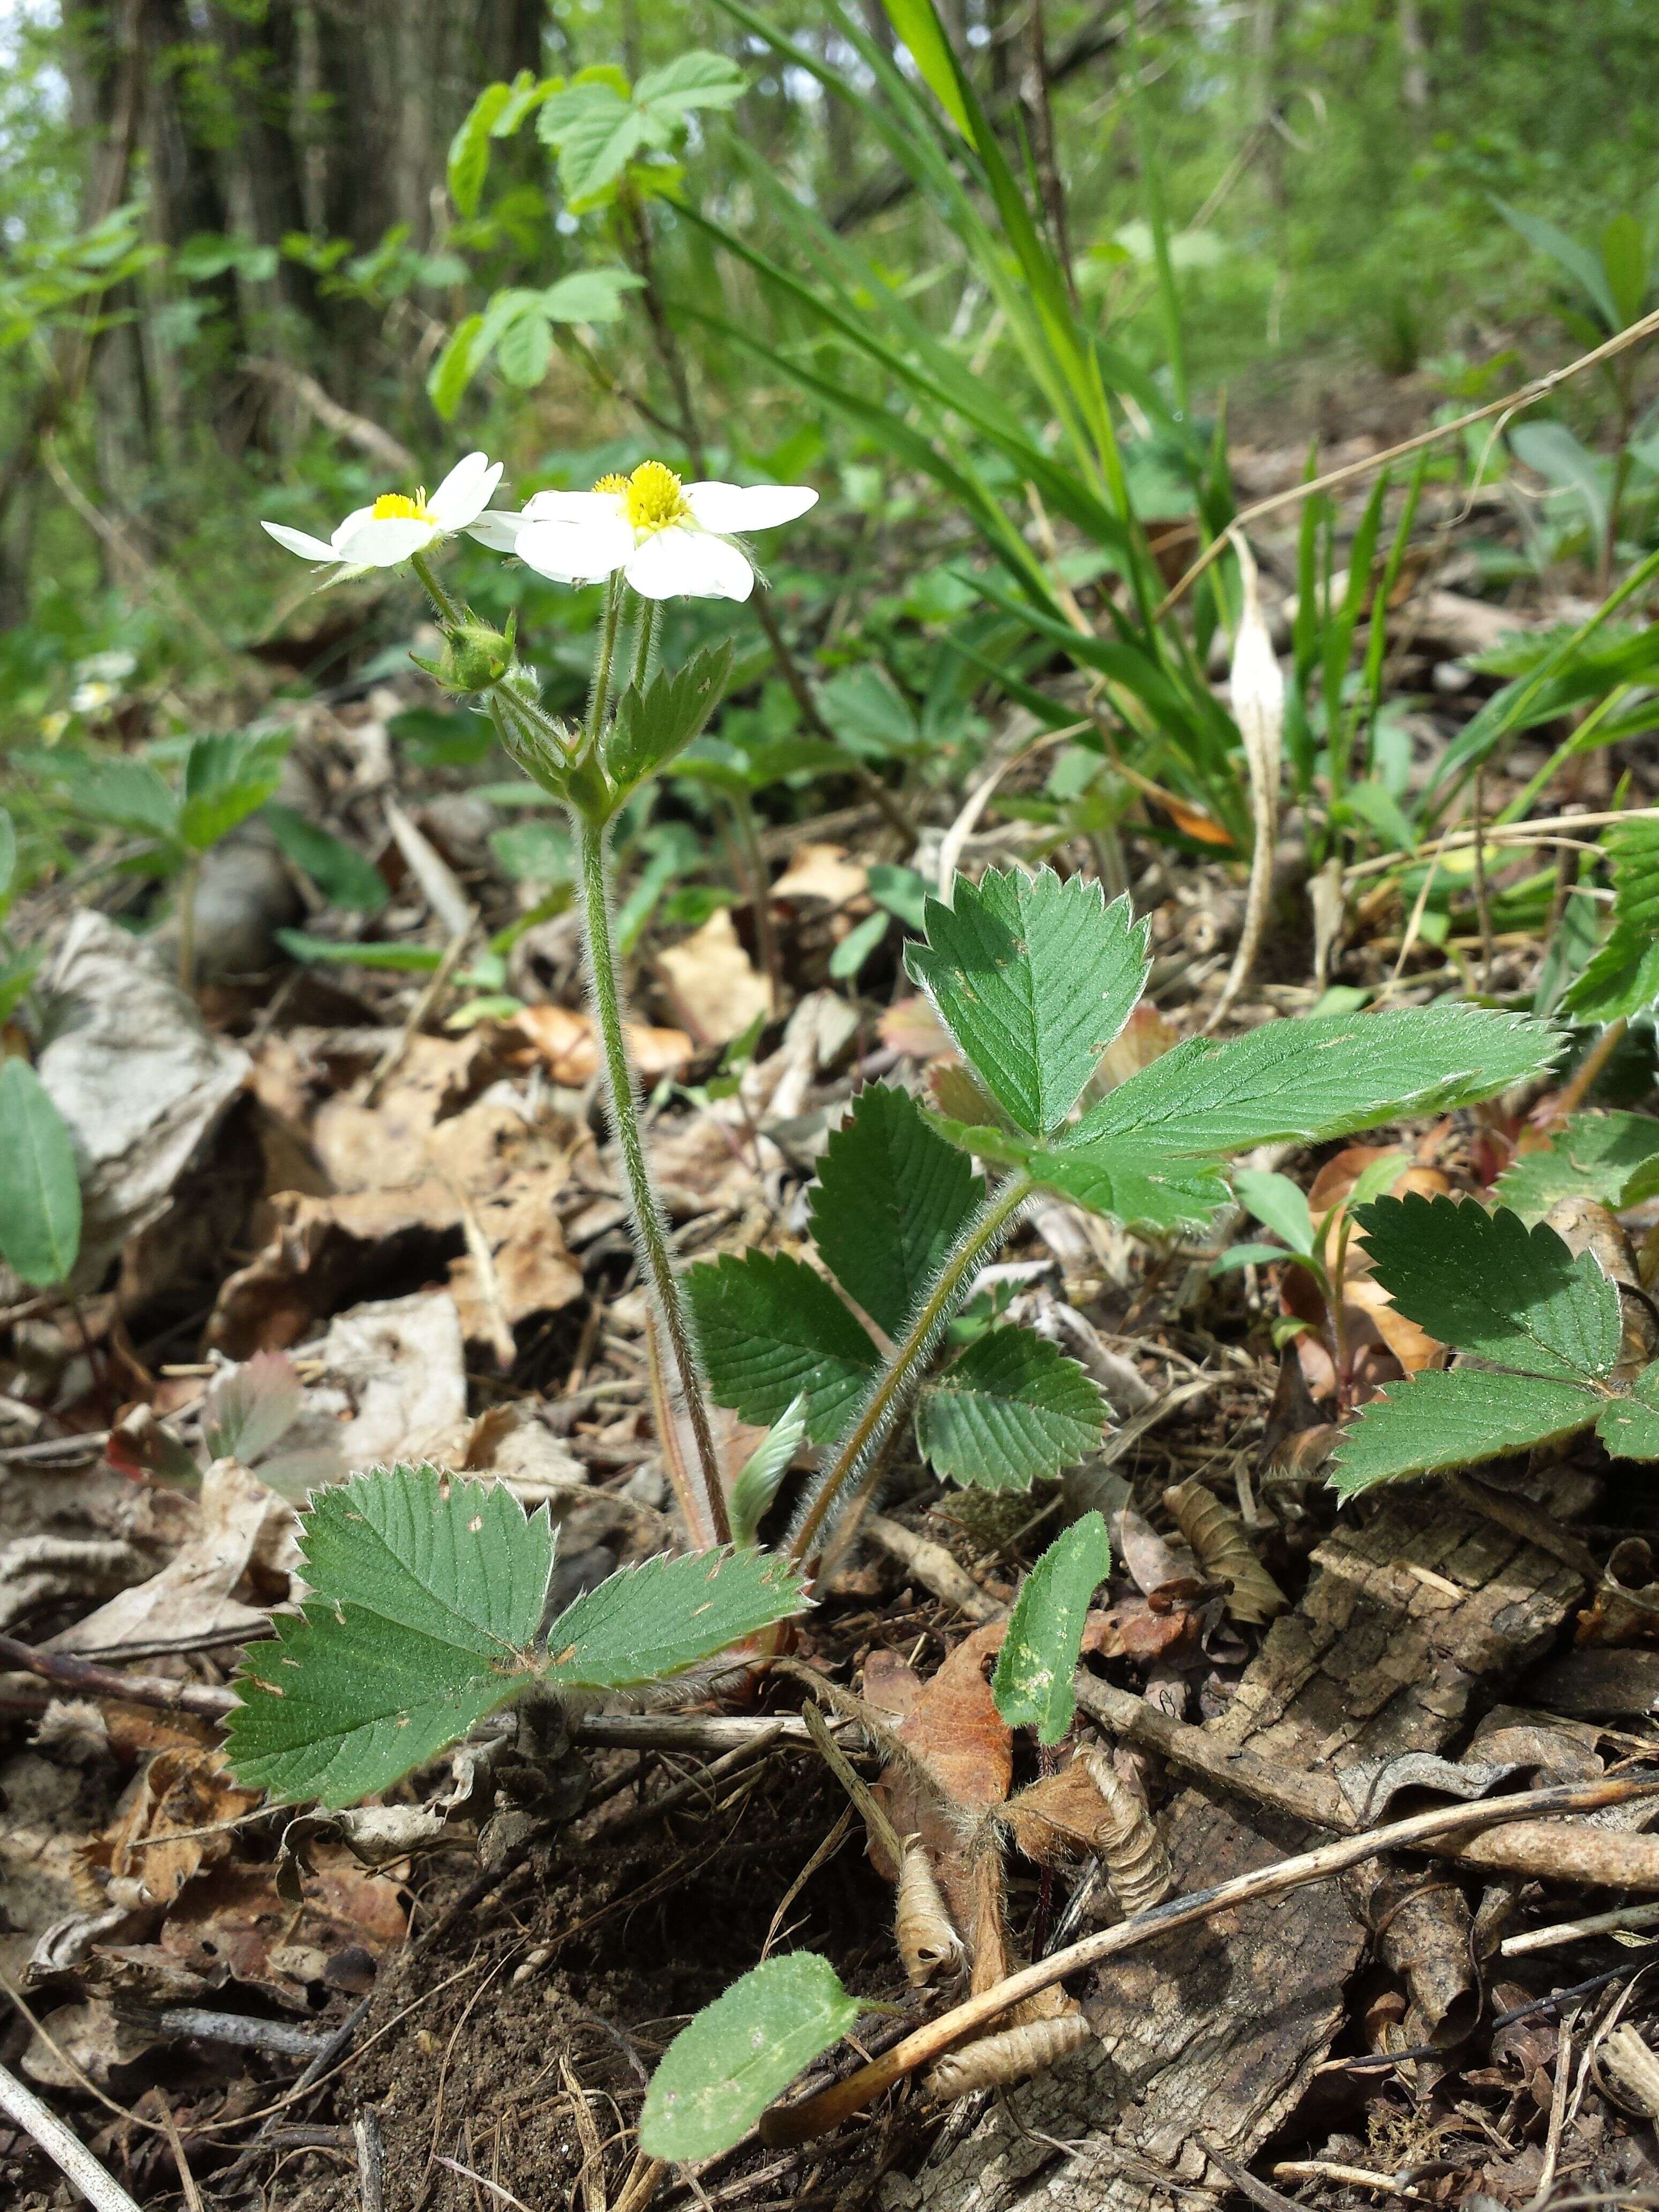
x=103, y=1681
x=22, y=2106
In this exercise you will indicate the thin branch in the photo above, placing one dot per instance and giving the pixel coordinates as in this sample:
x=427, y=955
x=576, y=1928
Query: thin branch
x=26, y=2110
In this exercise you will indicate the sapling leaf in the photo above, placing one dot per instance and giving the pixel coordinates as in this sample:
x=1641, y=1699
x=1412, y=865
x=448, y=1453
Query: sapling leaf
x=1488, y=1283
x=1595, y=1156
x=1629, y=1427
x=1032, y=1683
x=1319, y=1076
x=1455, y=1419
x=426, y=1596
x=653, y=723
x=891, y=1198
x=720, y=2073
x=1012, y=1407
x=1034, y=978
x=770, y=1329
x=763, y=1472
x=647, y=1623
x=39, y=1184
x=1278, y=1203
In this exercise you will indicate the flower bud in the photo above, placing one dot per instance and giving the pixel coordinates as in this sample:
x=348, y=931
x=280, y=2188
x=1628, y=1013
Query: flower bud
x=476, y=656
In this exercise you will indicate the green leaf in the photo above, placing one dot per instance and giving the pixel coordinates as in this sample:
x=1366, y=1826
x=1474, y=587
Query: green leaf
x=461, y=359
x=40, y=1185
x=525, y=348
x=1034, y=978
x=652, y=725
x=647, y=1623
x=329, y=952
x=892, y=1198
x=1619, y=980
x=1630, y=1427
x=1594, y=1157
x=426, y=1595
x=855, y=948
x=1012, y=1408
x=597, y=133
x=763, y=1471
x=128, y=794
x=1321, y=1076
x=17, y=975
x=1032, y=1683
x=917, y=23
x=1455, y=1419
x=1576, y=262
x=1488, y=1283
x=720, y=2073
x=343, y=876
x=1633, y=847
x=227, y=778
x=535, y=851
x=1136, y=1183
x=469, y=149
x=770, y=1330
x=7, y=854
x=1278, y=1203
x=1256, y=1256
x=589, y=296
x=527, y=94
x=697, y=79
x=1624, y=263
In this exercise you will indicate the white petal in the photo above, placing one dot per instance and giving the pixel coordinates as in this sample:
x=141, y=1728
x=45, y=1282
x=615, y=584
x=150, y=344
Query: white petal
x=689, y=565
x=498, y=529
x=588, y=507
x=575, y=552
x=732, y=509
x=383, y=544
x=301, y=541
x=465, y=491
x=353, y=523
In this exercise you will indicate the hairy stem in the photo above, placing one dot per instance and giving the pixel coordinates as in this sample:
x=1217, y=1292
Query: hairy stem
x=447, y=608
x=601, y=698
x=649, y=1227
x=646, y=626
x=885, y=1401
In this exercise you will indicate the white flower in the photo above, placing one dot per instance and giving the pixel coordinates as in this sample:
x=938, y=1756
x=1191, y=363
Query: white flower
x=381, y=536
x=670, y=540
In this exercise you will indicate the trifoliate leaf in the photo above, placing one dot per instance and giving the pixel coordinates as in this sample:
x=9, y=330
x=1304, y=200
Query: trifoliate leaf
x=648, y=1623
x=651, y=725
x=1034, y=978
x=1455, y=1419
x=719, y=2074
x=1488, y=1283
x=1594, y=1157
x=1138, y=1184
x=1630, y=1427
x=1032, y=1683
x=763, y=1472
x=1278, y=1204
x=596, y=132
x=39, y=1184
x=891, y=1198
x=1319, y=1076
x=1619, y=980
x=427, y=1592
x=227, y=778
x=1012, y=1408
x=771, y=1329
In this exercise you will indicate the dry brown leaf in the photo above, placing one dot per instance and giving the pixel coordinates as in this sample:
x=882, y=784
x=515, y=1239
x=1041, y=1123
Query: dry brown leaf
x=911, y=1027
x=713, y=986
x=951, y=1729
x=234, y=1918
x=1226, y=1553
x=569, y=1044
x=822, y=873
x=179, y=1794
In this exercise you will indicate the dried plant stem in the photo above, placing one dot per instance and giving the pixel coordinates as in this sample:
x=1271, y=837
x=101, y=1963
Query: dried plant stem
x=25, y=2109
x=91, y=1680
x=796, y=2124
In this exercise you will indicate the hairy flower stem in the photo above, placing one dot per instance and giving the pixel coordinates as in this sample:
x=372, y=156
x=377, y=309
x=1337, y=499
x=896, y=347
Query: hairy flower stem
x=981, y=1235
x=645, y=640
x=599, y=703
x=648, y=1224
x=448, y=609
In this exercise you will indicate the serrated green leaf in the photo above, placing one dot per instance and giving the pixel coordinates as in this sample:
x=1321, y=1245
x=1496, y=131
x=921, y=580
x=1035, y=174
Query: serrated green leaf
x=1012, y=1407
x=1321, y=1076
x=227, y=778
x=1147, y=1188
x=1619, y=980
x=40, y=1185
x=128, y=794
x=596, y=132
x=771, y=1329
x=469, y=149
x=1032, y=1683
x=1594, y=1155
x=719, y=2074
x=697, y=79
x=1629, y=1427
x=345, y=877
x=1034, y=978
x=649, y=1623
x=652, y=725
x=892, y=1198
x=527, y=94
x=1278, y=1203
x=763, y=1472
x=427, y=1592
x=1490, y=1286
x=1634, y=849
x=1455, y=1419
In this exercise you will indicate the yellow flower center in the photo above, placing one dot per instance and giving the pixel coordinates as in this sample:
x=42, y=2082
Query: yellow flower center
x=399, y=507
x=655, y=498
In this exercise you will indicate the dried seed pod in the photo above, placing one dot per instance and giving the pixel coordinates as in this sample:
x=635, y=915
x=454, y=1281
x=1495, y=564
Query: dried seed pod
x=995, y=2060
x=1217, y=1536
x=1137, y=1865
x=927, y=1940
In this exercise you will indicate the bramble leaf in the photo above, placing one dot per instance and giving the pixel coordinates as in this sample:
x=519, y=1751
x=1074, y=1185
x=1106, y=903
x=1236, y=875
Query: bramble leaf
x=39, y=1183
x=1629, y=1427
x=891, y=1198
x=426, y=1596
x=763, y=1471
x=1012, y=1407
x=719, y=2074
x=651, y=725
x=1032, y=1683
x=1319, y=1076
x=1488, y=1283
x=771, y=1329
x=647, y=1623
x=1034, y=978
x=1453, y=1419
x=1594, y=1155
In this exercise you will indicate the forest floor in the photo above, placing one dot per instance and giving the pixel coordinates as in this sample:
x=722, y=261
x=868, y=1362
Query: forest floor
x=460, y=2009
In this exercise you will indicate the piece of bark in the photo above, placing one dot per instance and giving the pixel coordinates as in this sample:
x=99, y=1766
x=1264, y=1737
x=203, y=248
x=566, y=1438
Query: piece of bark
x=1409, y=1614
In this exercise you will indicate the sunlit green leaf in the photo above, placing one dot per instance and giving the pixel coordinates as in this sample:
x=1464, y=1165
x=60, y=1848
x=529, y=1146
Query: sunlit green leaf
x=1032, y=1683
x=40, y=1185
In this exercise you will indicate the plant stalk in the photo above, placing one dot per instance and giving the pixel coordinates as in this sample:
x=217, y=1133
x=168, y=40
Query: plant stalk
x=649, y=1226
x=982, y=1235
x=601, y=699
x=645, y=640
x=448, y=609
